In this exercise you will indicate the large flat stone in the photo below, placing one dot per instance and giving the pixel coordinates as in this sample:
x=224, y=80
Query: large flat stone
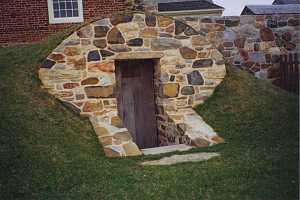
x=164, y=21
x=161, y=44
x=99, y=91
x=101, y=31
x=188, y=53
x=175, y=159
x=131, y=149
x=92, y=106
x=129, y=30
x=166, y=149
x=100, y=43
x=119, y=48
x=121, y=18
x=85, y=32
x=169, y=90
x=105, y=66
x=195, y=78
x=115, y=37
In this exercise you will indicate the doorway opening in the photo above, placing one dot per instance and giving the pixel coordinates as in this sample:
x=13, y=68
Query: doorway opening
x=136, y=100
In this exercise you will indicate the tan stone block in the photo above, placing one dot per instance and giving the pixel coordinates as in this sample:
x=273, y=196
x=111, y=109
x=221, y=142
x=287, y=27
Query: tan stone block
x=107, y=140
x=129, y=30
x=200, y=142
x=170, y=29
x=64, y=94
x=92, y=106
x=109, y=152
x=105, y=66
x=101, y=131
x=116, y=121
x=164, y=21
x=71, y=51
x=70, y=85
x=203, y=54
x=99, y=91
x=115, y=37
x=57, y=57
x=131, y=149
x=199, y=40
x=180, y=78
x=217, y=139
x=100, y=113
x=78, y=62
x=90, y=81
x=169, y=90
x=122, y=136
x=188, y=53
x=148, y=32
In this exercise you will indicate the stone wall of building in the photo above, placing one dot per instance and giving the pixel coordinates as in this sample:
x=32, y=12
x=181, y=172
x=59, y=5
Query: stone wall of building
x=81, y=73
x=254, y=43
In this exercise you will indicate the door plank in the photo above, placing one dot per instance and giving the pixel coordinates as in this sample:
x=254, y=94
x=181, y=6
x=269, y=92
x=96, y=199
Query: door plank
x=136, y=103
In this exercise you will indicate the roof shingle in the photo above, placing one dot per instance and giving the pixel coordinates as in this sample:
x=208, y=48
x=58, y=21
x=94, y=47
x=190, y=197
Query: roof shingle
x=187, y=5
x=274, y=9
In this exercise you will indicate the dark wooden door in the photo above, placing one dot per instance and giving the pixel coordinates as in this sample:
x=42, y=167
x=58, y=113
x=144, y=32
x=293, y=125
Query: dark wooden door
x=136, y=103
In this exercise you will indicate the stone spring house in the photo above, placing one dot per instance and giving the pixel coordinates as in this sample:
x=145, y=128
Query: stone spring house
x=137, y=77
x=33, y=20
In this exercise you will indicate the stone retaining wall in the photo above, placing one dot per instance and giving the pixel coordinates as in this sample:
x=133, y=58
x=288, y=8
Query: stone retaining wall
x=254, y=43
x=81, y=73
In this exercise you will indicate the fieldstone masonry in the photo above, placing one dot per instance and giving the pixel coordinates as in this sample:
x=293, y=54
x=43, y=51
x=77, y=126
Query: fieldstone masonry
x=81, y=73
x=189, y=53
x=253, y=43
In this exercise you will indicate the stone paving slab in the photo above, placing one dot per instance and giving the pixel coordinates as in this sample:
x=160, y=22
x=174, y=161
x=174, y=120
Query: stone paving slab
x=175, y=159
x=166, y=149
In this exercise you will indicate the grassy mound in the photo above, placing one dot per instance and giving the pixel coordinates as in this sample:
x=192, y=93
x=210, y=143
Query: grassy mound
x=46, y=152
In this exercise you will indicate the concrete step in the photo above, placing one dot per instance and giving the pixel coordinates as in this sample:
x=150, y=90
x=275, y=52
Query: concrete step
x=166, y=149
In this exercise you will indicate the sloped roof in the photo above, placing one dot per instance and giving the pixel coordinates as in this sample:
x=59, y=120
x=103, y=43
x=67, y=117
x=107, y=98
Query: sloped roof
x=277, y=2
x=273, y=9
x=187, y=6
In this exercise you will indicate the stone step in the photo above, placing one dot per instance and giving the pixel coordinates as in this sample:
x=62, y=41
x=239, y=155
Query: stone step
x=166, y=149
x=194, y=157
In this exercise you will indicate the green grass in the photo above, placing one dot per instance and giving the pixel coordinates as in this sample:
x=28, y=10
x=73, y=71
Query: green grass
x=47, y=152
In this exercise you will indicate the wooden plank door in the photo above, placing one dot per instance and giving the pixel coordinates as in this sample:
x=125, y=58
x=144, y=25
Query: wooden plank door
x=136, y=103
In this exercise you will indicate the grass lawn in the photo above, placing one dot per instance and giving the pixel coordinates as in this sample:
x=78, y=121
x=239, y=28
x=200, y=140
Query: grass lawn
x=47, y=152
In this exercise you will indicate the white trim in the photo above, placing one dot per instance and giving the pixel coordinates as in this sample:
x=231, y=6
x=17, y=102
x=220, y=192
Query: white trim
x=53, y=20
x=182, y=12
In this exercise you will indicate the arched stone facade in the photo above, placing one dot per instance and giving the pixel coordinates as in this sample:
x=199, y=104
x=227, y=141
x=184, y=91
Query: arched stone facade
x=81, y=73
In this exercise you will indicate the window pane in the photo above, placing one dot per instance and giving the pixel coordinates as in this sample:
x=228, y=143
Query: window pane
x=63, y=13
x=56, y=14
x=75, y=5
x=75, y=13
x=62, y=5
x=55, y=6
x=69, y=13
x=69, y=5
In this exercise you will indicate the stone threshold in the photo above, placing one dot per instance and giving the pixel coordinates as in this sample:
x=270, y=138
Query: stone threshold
x=166, y=149
x=175, y=159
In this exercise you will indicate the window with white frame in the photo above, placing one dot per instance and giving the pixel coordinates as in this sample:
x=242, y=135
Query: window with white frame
x=65, y=11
